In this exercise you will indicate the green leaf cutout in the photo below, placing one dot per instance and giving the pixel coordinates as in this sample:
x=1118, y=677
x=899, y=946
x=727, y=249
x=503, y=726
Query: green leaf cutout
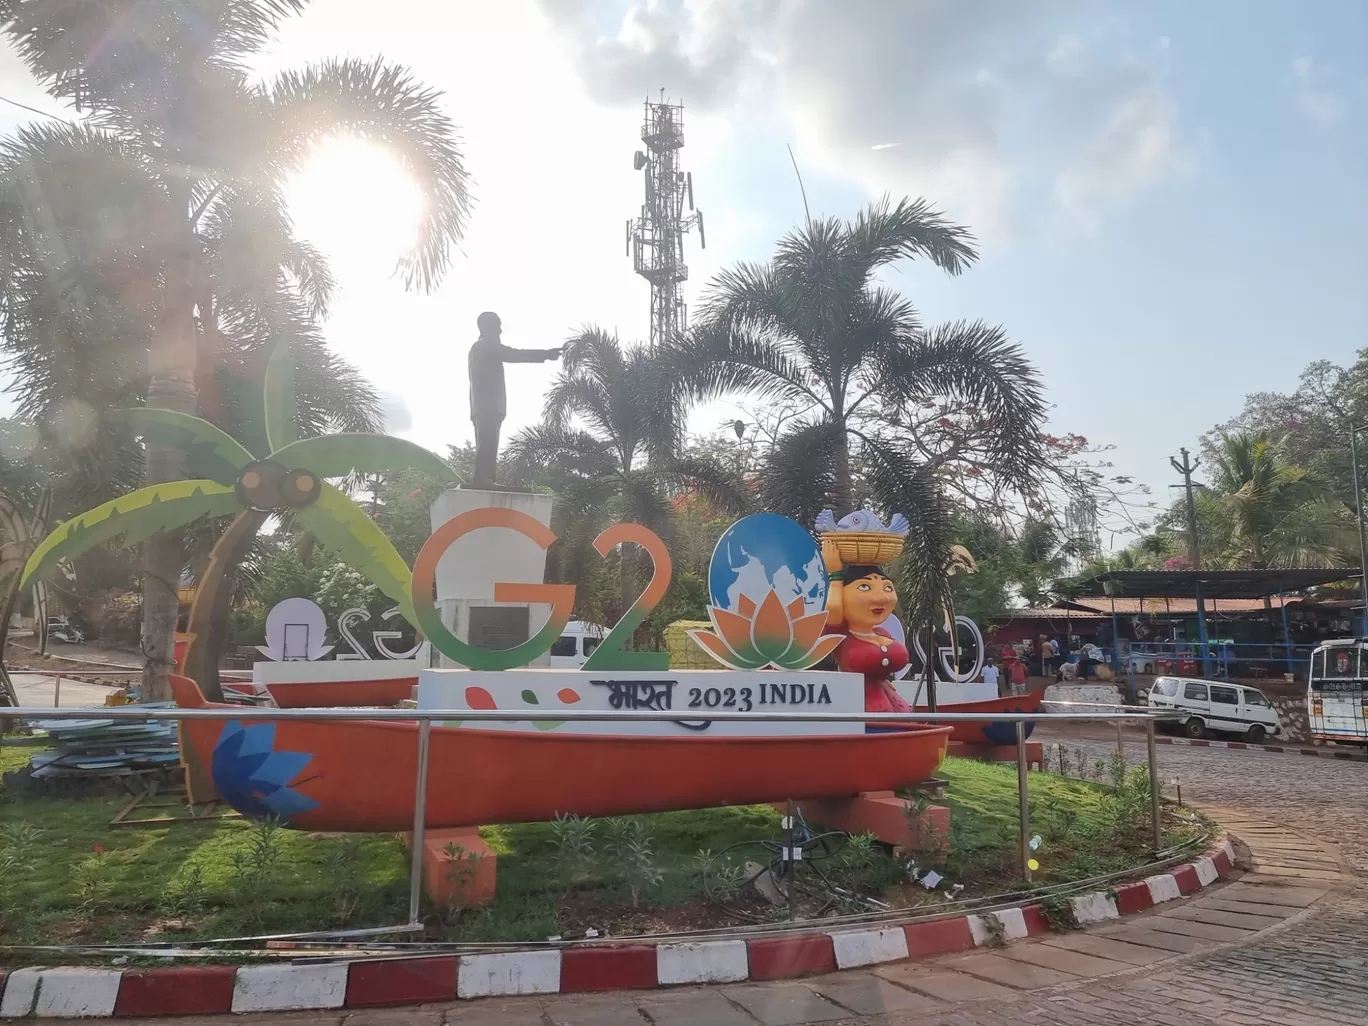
x=529, y=697
x=343, y=526
x=136, y=517
x=339, y=455
x=282, y=420
x=209, y=452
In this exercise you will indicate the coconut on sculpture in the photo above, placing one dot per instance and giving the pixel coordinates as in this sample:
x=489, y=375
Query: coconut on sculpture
x=862, y=599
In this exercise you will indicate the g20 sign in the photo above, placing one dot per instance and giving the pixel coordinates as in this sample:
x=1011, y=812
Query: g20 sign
x=764, y=606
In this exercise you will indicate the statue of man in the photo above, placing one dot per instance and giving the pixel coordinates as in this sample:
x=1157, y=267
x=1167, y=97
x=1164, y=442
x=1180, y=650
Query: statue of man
x=488, y=397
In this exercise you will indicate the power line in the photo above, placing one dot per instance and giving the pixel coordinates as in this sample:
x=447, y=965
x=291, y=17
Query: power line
x=33, y=110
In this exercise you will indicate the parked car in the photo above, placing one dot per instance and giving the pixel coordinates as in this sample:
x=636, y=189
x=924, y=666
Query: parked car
x=572, y=648
x=59, y=628
x=1215, y=705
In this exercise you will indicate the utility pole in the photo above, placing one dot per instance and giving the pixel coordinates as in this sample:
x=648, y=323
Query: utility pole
x=1363, y=548
x=1194, y=550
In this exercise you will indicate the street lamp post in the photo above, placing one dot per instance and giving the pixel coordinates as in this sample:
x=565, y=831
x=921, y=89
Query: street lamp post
x=1363, y=546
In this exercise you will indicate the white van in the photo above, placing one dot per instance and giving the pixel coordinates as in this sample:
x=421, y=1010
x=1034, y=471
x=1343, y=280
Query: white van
x=1215, y=705
x=572, y=648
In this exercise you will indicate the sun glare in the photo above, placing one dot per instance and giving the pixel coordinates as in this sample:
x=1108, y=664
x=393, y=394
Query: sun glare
x=354, y=202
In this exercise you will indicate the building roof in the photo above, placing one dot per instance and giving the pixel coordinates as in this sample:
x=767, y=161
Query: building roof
x=1226, y=584
x=1176, y=606
x=1052, y=613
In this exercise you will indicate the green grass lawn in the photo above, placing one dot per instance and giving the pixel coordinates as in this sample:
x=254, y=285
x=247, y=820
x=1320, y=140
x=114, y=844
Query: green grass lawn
x=66, y=874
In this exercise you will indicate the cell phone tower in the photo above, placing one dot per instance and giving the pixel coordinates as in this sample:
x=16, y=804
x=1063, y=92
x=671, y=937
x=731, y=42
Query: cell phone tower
x=655, y=240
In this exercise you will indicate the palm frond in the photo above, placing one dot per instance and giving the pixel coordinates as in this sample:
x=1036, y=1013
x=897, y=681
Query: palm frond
x=208, y=451
x=900, y=485
x=383, y=103
x=798, y=475
x=134, y=518
x=346, y=529
x=979, y=366
x=884, y=233
x=344, y=454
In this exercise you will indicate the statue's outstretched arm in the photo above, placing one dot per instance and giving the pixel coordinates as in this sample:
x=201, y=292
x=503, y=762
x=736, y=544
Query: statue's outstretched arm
x=510, y=355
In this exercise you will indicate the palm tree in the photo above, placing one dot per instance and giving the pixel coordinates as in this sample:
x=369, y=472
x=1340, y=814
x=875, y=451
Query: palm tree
x=1260, y=510
x=286, y=478
x=814, y=327
x=184, y=253
x=607, y=446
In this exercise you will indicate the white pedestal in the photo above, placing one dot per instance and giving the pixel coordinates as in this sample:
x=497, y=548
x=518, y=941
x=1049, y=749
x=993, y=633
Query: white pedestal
x=469, y=569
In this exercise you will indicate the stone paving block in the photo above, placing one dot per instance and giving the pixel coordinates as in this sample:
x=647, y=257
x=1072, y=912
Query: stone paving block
x=866, y=993
x=592, y=1010
x=1107, y=947
x=1286, y=873
x=1008, y=972
x=1220, y=917
x=1273, y=894
x=1209, y=931
x=1253, y=908
x=523, y=1011
x=1075, y=963
x=692, y=1007
x=1174, y=942
x=412, y=1015
x=785, y=1004
x=944, y=984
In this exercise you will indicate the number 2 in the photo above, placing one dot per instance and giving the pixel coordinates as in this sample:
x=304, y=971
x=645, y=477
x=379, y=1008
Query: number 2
x=610, y=655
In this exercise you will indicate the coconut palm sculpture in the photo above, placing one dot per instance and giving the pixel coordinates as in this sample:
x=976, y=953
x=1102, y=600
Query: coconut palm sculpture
x=231, y=479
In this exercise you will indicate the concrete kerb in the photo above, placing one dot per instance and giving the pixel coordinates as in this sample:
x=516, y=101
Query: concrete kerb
x=64, y=992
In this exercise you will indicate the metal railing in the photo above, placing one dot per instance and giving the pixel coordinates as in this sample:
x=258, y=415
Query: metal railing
x=425, y=717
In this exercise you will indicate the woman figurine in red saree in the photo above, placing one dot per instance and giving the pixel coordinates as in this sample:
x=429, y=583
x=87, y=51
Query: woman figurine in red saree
x=861, y=598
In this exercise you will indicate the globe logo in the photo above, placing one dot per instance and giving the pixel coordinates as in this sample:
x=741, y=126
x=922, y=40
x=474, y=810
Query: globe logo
x=768, y=590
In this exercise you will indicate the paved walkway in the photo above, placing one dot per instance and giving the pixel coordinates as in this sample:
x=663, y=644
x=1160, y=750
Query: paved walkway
x=1284, y=945
x=40, y=690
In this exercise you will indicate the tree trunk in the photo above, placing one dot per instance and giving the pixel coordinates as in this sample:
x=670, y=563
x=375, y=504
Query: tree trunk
x=842, y=499
x=208, y=627
x=171, y=386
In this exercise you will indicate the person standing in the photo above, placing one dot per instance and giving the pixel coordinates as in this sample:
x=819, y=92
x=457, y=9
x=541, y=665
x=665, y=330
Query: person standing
x=990, y=676
x=1018, y=677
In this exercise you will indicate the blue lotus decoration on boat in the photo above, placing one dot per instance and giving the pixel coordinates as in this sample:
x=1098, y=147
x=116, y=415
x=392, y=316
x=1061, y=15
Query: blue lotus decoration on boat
x=999, y=733
x=253, y=777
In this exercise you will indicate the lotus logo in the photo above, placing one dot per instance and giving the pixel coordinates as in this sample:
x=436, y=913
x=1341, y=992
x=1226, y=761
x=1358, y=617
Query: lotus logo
x=769, y=634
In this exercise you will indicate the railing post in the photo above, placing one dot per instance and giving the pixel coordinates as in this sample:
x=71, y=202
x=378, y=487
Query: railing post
x=1024, y=802
x=1155, y=823
x=1120, y=741
x=419, y=821
x=57, y=693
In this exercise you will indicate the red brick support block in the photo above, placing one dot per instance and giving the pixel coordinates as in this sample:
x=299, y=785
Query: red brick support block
x=1186, y=878
x=175, y=990
x=940, y=937
x=608, y=968
x=778, y=958
x=1036, y=923
x=1222, y=861
x=401, y=981
x=884, y=815
x=1133, y=897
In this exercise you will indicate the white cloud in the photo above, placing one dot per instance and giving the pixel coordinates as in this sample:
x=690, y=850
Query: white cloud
x=1136, y=148
x=966, y=104
x=1319, y=102
x=1066, y=56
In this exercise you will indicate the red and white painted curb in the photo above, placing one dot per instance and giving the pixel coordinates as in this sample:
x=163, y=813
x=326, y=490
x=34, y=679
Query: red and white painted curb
x=1324, y=753
x=362, y=983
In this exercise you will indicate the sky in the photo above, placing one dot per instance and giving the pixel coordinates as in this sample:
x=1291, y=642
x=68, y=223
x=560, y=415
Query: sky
x=1171, y=199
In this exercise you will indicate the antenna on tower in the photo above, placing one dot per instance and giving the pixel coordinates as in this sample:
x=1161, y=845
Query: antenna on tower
x=655, y=240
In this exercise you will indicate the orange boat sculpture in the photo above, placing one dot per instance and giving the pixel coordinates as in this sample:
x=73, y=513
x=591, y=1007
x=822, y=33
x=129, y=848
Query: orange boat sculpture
x=990, y=732
x=359, y=775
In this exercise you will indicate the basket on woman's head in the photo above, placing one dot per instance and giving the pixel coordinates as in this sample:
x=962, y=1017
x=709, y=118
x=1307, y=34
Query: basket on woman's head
x=861, y=537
